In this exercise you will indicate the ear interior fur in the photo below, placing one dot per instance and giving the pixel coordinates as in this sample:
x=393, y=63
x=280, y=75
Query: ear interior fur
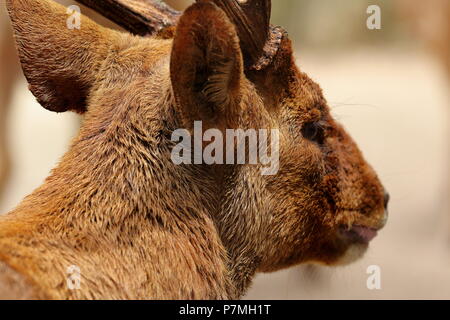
x=206, y=64
x=60, y=64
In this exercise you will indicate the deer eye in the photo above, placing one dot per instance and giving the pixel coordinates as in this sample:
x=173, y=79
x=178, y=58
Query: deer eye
x=313, y=131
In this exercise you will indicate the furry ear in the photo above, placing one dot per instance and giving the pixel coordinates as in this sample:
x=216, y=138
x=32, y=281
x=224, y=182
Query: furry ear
x=207, y=66
x=60, y=63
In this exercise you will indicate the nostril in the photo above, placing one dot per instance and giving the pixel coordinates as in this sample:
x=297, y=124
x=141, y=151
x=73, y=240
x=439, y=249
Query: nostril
x=386, y=200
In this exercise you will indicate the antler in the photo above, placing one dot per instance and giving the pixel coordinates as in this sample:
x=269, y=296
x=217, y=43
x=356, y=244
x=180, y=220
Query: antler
x=259, y=40
x=141, y=17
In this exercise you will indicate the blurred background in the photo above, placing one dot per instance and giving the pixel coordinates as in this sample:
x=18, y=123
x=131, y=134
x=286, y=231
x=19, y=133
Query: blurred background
x=390, y=89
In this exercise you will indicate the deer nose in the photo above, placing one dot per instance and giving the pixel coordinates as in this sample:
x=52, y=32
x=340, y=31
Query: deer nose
x=387, y=197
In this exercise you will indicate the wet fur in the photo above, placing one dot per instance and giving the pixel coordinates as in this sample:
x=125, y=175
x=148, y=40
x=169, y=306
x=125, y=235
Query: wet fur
x=140, y=227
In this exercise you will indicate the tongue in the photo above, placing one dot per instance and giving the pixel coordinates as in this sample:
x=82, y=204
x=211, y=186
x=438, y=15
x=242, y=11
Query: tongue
x=365, y=233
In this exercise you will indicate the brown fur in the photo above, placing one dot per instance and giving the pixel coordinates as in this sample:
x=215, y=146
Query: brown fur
x=139, y=226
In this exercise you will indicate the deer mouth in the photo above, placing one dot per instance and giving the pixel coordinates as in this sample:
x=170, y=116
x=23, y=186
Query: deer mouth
x=358, y=234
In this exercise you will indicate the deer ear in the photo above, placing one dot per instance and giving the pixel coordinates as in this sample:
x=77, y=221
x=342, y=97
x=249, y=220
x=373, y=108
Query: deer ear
x=206, y=66
x=60, y=63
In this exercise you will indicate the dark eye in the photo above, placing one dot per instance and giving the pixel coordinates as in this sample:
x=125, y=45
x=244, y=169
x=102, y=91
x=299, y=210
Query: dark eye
x=313, y=131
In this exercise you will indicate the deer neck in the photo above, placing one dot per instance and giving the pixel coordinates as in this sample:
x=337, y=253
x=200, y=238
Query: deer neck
x=118, y=187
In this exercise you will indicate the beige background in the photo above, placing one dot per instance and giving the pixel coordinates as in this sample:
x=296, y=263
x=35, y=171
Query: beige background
x=389, y=91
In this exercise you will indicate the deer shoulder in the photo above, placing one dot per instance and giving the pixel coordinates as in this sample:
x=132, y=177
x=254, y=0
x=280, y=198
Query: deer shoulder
x=136, y=222
x=14, y=285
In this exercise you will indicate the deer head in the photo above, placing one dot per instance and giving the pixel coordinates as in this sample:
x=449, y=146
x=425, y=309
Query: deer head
x=222, y=63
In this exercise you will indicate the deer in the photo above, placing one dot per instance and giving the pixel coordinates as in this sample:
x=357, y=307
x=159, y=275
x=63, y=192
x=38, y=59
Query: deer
x=139, y=226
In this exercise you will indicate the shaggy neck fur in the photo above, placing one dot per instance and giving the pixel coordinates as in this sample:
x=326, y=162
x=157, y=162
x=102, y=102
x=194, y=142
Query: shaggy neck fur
x=117, y=206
